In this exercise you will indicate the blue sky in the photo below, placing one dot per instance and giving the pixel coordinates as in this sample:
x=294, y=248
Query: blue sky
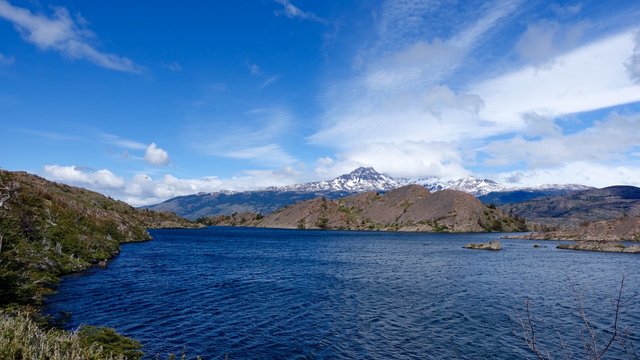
x=147, y=100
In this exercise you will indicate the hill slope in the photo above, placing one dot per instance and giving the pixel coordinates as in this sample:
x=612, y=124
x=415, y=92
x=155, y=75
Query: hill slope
x=578, y=209
x=48, y=229
x=409, y=208
x=624, y=229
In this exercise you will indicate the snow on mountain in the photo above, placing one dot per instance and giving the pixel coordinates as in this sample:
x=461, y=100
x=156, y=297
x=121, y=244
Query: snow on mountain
x=469, y=184
x=568, y=187
x=368, y=179
x=359, y=180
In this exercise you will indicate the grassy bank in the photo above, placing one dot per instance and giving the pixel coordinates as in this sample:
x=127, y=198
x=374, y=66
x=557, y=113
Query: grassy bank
x=48, y=230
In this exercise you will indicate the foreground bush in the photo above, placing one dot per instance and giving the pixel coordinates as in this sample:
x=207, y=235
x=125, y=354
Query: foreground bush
x=21, y=338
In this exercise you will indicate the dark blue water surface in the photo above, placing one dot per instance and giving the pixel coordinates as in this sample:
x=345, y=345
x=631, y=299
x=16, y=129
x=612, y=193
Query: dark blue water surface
x=258, y=293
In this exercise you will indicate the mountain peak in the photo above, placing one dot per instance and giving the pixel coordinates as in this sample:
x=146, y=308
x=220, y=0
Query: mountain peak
x=364, y=171
x=359, y=180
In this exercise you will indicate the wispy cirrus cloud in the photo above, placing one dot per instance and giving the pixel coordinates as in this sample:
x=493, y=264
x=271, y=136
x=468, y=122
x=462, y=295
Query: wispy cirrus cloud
x=411, y=108
x=293, y=12
x=6, y=60
x=253, y=135
x=64, y=34
x=398, y=104
x=118, y=141
x=256, y=71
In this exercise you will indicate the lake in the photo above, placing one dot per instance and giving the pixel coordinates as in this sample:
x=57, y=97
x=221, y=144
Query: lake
x=242, y=293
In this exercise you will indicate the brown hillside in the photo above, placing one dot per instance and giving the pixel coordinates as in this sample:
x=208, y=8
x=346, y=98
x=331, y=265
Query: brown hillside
x=409, y=208
x=49, y=229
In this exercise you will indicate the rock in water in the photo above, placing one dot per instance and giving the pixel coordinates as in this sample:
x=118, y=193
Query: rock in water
x=491, y=245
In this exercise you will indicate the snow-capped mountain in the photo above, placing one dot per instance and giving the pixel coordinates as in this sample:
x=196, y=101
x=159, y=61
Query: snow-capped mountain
x=362, y=179
x=359, y=180
x=469, y=184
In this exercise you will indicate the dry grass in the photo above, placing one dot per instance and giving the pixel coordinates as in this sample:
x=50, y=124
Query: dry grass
x=21, y=338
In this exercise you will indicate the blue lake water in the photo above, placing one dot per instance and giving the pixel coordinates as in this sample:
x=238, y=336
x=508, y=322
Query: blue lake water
x=242, y=293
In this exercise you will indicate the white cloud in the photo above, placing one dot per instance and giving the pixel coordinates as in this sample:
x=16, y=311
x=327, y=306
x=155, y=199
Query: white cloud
x=254, y=69
x=155, y=155
x=173, y=66
x=606, y=141
x=115, y=140
x=270, y=80
x=62, y=33
x=581, y=172
x=6, y=60
x=405, y=159
x=588, y=78
x=566, y=10
x=292, y=12
x=633, y=62
x=544, y=40
x=540, y=126
x=142, y=189
x=397, y=107
x=98, y=180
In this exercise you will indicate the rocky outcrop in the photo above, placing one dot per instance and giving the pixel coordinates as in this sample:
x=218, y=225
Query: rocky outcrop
x=626, y=228
x=491, y=245
x=601, y=246
x=579, y=209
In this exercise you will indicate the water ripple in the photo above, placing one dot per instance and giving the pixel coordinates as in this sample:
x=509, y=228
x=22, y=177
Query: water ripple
x=254, y=293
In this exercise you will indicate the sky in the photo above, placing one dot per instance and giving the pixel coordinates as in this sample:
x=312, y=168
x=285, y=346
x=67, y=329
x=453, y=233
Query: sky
x=147, y=100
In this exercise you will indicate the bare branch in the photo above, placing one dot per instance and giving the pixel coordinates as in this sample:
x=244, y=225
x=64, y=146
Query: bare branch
x=529, y=332
x=591, y=343
x=615, y=321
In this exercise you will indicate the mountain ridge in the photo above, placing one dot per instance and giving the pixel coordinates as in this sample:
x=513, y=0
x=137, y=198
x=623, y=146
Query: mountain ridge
x=360, y=180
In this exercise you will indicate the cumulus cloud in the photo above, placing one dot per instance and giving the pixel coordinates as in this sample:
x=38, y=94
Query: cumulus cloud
x=98, y=180
x=155, y=155
x=143, y=189
x=405, y=159
x=62, y=33
x=293, y=12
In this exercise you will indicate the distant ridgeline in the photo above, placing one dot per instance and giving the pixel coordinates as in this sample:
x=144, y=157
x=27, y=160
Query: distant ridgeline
x=48, y=229
x=358, y=181
x=408, y=208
